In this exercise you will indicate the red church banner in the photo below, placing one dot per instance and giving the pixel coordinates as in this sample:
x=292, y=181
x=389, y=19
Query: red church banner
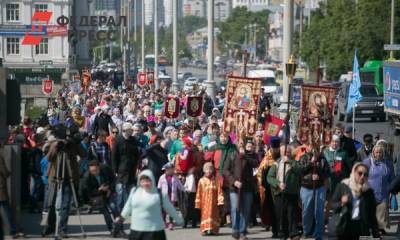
x=272, y=126
x=194, y=106
x=171, y=107
x=240, y=113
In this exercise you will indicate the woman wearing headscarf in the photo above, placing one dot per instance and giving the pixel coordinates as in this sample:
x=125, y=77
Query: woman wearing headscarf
x=381, y=173
x=355, y=199
x=222, y=152
x=144, y=206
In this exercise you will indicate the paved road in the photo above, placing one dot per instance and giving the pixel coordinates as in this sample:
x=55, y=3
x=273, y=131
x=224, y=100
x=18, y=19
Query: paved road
x=95, y=229
x=197, y=72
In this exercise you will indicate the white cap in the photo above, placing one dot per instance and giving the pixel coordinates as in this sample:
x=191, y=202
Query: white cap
x=40, y=130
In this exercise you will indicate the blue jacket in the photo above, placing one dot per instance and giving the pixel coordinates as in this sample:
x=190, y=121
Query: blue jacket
x=381, y=175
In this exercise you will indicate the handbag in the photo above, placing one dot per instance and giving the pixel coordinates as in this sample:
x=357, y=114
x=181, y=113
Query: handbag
x=97, y=202
x=338, y=223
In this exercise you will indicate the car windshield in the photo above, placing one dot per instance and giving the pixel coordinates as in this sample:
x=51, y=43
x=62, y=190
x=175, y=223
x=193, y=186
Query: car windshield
x=268, y=82
x=368, y=91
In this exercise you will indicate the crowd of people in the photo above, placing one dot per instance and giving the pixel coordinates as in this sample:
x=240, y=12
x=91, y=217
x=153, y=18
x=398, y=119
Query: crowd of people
x=128, y=160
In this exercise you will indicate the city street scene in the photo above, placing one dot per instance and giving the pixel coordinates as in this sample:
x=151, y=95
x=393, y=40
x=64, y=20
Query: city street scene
x=200, y=119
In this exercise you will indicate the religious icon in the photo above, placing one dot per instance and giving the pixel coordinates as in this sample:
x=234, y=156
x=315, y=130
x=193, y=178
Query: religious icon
x=242, y=97
x=317, y=105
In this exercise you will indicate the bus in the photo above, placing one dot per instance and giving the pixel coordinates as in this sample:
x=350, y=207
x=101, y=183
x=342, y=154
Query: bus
x=372, y=72
x=267, y=77
x=149, y=61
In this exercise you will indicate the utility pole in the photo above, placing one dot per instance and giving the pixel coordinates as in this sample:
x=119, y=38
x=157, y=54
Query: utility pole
x=301, y=5
x=143, y=29
x=392, y=29
x=122, y=27
x=127, y=53
x=210, y=83
x=287, y=43
x=156, y=44
x=175, y=84
x=255, y=42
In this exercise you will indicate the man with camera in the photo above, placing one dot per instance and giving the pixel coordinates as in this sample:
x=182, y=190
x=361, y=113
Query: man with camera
x=63, y=167
x=96, y=189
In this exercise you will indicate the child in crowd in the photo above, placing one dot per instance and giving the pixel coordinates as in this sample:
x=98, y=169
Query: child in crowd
x=209, y=200
x=190, y=213
x=169, y=184
x=186, y=156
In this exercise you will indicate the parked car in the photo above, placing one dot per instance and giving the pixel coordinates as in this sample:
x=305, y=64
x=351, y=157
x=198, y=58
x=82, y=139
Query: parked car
x=167, y=80
x=371, y=105
x=111, y=67
x=182, y=76
x=193, y=80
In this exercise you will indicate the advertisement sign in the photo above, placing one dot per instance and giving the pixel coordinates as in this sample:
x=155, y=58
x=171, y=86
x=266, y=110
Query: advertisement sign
x=391, y=88
x=47, y=87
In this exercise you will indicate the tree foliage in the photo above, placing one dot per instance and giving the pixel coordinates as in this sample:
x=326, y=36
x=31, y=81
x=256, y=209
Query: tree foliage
x=340, y=27
x=233, y=29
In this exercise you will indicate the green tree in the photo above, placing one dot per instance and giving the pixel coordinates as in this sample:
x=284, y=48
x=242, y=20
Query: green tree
x=233, y=29
x=340, y=27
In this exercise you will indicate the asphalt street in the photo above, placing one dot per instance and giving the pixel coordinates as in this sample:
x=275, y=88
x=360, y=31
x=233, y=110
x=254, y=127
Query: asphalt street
x=95, y=228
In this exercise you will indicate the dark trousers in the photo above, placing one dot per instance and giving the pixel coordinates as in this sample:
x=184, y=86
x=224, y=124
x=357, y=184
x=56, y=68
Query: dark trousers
x=64, y=209
x=190, y=213
x=285, y=208
x=7, y=210
x=157, y=235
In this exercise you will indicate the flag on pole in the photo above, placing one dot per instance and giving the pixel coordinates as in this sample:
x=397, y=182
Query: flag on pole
x=354, y=89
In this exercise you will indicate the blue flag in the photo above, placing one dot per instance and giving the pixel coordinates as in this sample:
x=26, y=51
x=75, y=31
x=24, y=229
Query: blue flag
x=354, y=89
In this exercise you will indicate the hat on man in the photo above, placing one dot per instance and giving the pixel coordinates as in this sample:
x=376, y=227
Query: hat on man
x=275, y=142
x=349, y=129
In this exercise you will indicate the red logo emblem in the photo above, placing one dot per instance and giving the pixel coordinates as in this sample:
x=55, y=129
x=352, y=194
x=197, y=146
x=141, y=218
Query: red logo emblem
x=47, y=86
x=38, y=18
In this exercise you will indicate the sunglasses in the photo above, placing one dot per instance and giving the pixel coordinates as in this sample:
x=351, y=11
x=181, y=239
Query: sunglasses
x=115, y=132
x=365, y=174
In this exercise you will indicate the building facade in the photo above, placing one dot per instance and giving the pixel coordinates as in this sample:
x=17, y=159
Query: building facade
x=252, y=5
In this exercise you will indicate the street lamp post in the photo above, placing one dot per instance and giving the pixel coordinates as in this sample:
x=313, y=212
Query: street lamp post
x=290, y=69
x=175, y=84
x=143, y=29
x=287, y=42
x=210, y=83
x=156, y=44
x=392, y=29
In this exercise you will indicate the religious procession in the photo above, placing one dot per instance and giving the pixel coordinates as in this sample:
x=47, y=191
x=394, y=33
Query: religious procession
x=153, y=161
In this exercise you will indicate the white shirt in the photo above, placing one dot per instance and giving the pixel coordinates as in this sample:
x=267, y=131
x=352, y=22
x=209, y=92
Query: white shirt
x=355, y=213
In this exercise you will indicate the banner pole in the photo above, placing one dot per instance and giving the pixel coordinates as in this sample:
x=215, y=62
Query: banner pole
x=354, y=119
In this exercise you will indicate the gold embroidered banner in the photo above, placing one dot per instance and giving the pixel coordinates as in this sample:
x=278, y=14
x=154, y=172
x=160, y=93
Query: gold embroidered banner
x=240, y=112
x=316, y=114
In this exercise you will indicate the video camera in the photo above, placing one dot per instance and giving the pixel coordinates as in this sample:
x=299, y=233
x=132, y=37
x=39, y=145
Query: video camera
x=69, y=133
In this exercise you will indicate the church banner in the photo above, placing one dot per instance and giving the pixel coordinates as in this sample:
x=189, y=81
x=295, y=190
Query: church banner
x=316, y=114
x=194, y=106
x=172, y=107
x=240, y=112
